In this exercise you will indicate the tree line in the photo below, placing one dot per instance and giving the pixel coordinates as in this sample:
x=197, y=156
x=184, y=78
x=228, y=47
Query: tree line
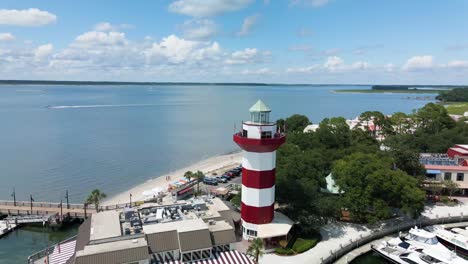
x=377, y=179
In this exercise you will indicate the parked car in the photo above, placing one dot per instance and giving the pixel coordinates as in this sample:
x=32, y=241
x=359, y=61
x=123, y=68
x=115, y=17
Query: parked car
x=210, y=181
x=226, y=177
x=221, y=179
x=230, y=174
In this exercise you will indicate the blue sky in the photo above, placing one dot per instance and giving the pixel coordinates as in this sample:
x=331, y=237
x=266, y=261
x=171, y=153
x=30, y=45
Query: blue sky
x=287, y=41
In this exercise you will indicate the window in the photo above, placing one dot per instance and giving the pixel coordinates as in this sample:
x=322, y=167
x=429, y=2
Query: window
x=266, y=134
x=251, y=233
x=244, y=133
x=460, y=176
x=447, y=176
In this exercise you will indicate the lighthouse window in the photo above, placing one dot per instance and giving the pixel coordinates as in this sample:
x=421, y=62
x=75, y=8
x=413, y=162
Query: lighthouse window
x=266, y=134
x=251, y=232
x=460, y=176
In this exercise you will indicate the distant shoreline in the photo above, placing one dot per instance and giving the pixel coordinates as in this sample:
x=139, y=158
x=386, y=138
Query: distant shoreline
x=50, y=82
x=411, y=91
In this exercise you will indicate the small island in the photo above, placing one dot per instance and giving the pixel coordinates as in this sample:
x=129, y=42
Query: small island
x=424, y=89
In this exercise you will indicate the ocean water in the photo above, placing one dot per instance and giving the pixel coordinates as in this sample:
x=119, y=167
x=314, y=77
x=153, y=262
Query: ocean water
x=115, y=137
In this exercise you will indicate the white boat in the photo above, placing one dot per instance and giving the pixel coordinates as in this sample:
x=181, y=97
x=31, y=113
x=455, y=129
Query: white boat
x=426, y=242
x=398, y=254
x=453, y=240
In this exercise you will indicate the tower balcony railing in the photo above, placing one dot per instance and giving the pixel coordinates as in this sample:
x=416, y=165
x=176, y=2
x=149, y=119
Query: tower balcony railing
x=264, y=144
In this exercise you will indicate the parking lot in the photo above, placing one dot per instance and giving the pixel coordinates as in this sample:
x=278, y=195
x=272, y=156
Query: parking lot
x=237, y=179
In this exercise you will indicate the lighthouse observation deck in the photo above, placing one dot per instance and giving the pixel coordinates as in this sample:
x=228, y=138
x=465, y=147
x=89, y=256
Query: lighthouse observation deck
x=266, y=143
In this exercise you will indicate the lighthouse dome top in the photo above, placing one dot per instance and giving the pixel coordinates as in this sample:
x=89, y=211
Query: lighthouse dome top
x=260, y=113
x=259, y=106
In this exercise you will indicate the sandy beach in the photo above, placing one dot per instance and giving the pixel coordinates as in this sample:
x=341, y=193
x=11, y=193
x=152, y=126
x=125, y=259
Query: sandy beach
x=206, y=166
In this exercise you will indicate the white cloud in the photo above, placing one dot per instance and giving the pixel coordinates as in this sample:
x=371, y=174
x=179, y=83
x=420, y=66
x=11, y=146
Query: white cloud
x=176, y=50
x=26, y=17
x=360, y=65
x=308, y=69
x=417, y=63
x=199, y=29
x=261, y=71
x=314, y=3
x=248, y=55
x=92, y=38
x=458, y=64
x=106, y=26
x=247, y=25
x=207, y=8
x=333, y=63
x=303, y=48
x=7, y=37
x=389, y=67
x=43, y=52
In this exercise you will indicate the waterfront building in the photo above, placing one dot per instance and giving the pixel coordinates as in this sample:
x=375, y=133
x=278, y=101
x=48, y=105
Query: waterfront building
x=259, y=140
x=186, y=231
x=452, y=165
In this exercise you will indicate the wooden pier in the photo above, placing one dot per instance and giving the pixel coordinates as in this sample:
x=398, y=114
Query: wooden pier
x=73, y=211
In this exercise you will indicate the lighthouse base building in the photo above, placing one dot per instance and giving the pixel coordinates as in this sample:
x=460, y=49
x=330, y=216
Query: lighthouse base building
x=259, y=139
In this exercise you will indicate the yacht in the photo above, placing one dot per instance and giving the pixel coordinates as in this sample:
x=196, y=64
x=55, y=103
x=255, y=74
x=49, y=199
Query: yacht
x=402, y=254
x=426, y=242
x=454, y=239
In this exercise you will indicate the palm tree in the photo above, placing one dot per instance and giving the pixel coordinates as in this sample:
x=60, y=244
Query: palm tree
x=189, y=175
x=95, y=198
x=256, y=249
x=199, y=176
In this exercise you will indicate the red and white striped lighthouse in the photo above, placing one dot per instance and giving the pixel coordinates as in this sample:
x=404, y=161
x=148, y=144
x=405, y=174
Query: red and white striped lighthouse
x=259, y=141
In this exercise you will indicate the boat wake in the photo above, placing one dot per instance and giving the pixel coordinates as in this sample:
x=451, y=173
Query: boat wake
x=98, y=106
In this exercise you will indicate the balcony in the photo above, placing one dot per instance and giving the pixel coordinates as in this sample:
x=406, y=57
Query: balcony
x=267, y=144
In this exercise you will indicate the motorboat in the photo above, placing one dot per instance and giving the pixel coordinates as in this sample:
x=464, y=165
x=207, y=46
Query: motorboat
x=454, y=239
x=426, y=242
x=402, y=254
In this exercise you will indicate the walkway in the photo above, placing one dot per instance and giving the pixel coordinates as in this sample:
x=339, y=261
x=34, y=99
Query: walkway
x=335, y=236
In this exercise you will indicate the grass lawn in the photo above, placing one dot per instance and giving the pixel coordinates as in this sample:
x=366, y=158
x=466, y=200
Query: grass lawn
x=387, y=91
x=302, y=244
x=457, y=108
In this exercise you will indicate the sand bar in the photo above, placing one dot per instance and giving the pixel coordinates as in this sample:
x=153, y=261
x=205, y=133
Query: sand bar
x=206, y=166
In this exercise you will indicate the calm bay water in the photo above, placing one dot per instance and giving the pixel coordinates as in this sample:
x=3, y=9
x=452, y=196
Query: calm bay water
x=115, y=137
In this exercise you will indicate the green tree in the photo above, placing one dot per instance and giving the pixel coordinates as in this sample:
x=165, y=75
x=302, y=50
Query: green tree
x=189, y=175
x=451, y=187
x=454, y=95
x=433, y=118
x=199, y=177
x=371, y=187
x=255, y=249
x=334, y=132
x=296, y=123
x=95, y=198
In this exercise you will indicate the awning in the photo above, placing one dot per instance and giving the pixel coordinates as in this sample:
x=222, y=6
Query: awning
x=432, y=171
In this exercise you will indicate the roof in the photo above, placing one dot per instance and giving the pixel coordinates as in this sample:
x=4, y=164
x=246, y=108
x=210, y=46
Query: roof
x=311, y=128
x=181, y=226
x=163, y=241
x=82, y=238
x=195, y=240
x=223, y=237
x=460, y=150
x=123, y=251
x=260, y=106
x=331, y=186
x=279, y=227
x=463, y=146
x=105, y=225
x=446, y=168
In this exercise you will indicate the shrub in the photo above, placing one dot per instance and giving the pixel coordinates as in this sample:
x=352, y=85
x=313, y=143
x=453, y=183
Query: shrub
x=301, y=245
x=284, y=251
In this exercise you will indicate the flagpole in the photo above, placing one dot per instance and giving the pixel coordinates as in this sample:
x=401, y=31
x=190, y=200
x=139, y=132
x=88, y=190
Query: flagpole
x=30, y=197
x=14, y=196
